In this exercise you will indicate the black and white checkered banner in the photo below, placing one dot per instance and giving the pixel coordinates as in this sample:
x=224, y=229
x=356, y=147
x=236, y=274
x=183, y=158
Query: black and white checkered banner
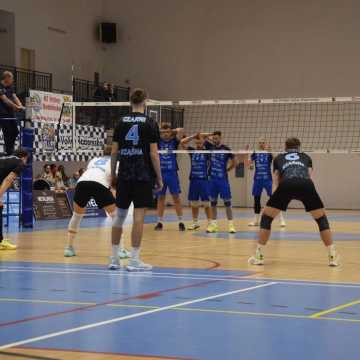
x=80, y=145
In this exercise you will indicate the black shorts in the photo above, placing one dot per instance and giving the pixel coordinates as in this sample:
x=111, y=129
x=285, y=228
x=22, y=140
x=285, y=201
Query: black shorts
x=86, y=190
x=138, y=192
x=296, y=189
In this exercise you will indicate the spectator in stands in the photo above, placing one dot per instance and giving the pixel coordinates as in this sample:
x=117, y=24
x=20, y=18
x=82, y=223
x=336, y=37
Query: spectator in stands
x=46, y=174
x=73, y=180
x=9, y=104
x=103, y=93
x=64, y=177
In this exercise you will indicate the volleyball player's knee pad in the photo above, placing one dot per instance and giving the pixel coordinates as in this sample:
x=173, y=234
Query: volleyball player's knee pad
x=120, y=218
x=195, y=204
x=266, y=222
x=227, y=203
x=75, y=221
x=213, y=203
x=323, y=223
x=206, y=204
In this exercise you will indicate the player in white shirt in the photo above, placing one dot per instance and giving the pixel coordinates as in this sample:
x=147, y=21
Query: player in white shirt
x=95, y=183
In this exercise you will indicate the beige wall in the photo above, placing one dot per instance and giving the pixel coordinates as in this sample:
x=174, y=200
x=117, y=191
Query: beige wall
x=236, y=48
x=56, y=51
x=336, y=177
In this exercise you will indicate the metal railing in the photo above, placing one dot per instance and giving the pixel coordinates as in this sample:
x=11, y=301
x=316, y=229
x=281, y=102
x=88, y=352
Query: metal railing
x=25, y=79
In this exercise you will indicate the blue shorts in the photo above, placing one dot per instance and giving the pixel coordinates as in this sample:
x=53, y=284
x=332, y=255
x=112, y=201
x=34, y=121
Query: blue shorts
x=171, y=182
x=260, y=185
x=199, y=190
x=220, y=187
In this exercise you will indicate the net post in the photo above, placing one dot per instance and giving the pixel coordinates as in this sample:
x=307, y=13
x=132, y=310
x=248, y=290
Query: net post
x=26, y=179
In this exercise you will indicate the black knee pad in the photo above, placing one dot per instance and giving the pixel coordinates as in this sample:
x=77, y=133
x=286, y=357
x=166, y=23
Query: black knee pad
x=213, y=203
x=266, y=222
x=323, y=223
x=227, y=203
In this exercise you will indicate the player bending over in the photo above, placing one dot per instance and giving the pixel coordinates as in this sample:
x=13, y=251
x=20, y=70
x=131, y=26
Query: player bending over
x=262, y=180
x=220, y=165
x=169, y=140
x=94, y=183
x=135, y=147
x=199, y=191
x=293, y=170
x=10, y=168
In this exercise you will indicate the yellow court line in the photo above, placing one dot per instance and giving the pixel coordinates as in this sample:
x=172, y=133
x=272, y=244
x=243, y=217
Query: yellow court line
x=190, y=309
x=334, y=309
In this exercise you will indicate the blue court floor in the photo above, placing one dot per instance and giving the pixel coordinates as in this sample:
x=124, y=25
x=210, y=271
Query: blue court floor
x=184, y=314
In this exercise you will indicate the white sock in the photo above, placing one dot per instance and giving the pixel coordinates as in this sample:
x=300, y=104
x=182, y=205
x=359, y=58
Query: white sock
x=259, y=248
x=231, y=222
x=135, y=252
x=214, y=222
x=71, y=237
x=160, y=219
x=115, y=251
x=121, y=245
x=180, y=218
x=331, y=249
x=281, y=217
x=195, y=221
x=257, y=218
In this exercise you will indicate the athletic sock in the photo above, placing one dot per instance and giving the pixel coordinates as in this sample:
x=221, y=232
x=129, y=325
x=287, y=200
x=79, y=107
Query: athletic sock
x=115, y=251
x=332, y=249
x=71, y=237
x=259, y=248
x=1, y=223
x=135, y=252
x=195, y=221
x=231, y=222
x=180, y=218
x=121, y=245
x=160, y=219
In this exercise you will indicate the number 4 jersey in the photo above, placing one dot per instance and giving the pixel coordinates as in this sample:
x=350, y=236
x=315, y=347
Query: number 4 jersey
x=134, y=133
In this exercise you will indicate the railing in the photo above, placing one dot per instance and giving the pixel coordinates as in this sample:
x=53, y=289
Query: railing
x=28, y=79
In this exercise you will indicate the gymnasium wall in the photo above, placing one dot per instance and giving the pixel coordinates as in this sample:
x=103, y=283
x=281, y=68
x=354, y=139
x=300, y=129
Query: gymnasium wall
x=206, y=49
x=72, y=38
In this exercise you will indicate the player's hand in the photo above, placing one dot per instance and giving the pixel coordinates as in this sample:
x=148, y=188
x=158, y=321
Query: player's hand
x=159, y=184
x=114, y=181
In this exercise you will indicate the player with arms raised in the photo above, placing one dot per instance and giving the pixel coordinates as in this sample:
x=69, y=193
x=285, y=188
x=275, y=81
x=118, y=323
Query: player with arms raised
x=94, y=183
x=169, y=141
x=199, y=190
x=135, y=148
x=293, y=170
x=220, y=164
x=262, y=179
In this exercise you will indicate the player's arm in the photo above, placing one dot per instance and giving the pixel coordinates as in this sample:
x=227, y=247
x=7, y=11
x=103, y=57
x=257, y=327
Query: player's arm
x=113, y=163
x=178, y=133
x=18, y=102
x=9, y=103
x=232, y=163
x=155, y=159
x=185, y=141
x=7, y=182
x=249, y=159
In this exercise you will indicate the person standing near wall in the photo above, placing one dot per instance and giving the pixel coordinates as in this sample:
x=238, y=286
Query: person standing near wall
x=9, y=104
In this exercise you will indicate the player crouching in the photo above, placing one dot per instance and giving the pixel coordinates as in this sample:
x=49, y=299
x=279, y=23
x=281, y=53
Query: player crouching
x=10, y=168
x=95, y=183
x=293, y=170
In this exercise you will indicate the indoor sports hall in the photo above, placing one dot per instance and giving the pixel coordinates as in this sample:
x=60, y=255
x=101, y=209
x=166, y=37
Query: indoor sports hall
x=179, y=180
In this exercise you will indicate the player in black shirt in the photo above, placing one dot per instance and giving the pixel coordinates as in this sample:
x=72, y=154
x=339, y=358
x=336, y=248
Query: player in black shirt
x=9, y=104
x=135, y=147
x=293, y=171
x=10, y=168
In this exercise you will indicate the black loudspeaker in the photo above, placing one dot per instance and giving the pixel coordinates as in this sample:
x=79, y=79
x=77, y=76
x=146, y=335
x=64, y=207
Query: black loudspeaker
x=107, y=32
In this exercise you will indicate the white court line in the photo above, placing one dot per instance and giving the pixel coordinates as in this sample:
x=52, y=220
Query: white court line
x=226, y=278
x=132, y=316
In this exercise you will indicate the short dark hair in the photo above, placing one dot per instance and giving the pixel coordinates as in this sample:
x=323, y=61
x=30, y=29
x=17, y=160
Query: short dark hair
x=21, y=153
x=138, y=96
x=217, y=132
x=165, y=126
x=292, y=143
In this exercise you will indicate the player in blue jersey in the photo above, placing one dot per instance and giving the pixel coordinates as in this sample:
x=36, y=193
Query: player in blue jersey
x=262, y=179
x=220, y=164
x=199, y=188
x=169, y=140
